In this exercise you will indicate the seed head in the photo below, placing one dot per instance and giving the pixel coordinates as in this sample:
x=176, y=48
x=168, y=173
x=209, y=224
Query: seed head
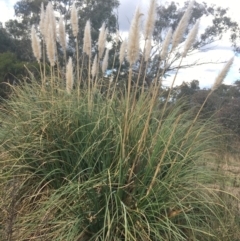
x=87, y=41
x=182, y=26
x=36, y=44
x=191, y=39
x=42, y=18
x=221, y=76
x=69, y=76
x=50, y=22
x=94, y=66
x=134, y=36
x=50, y=43
x=74, y=20
x=101, y=41
x=149, y=25
x=166, y=44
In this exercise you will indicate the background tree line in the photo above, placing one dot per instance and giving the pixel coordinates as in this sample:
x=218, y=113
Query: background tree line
x=223, y=104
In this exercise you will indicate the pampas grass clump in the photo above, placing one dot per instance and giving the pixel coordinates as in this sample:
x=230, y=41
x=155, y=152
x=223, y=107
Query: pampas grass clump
x=95, y=166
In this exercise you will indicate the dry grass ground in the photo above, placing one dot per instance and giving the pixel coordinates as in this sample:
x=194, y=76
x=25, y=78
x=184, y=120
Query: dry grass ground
x=231, y=168
x=228, y=165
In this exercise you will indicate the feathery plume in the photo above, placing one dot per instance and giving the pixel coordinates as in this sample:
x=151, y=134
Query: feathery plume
x=182, y=26
x=94, y=66
x=101, y=41
x=148, y=49
x=53, y=23
x=69, y=76
x=190, y=39
x=221, y=76
x=45, y=24
x=50, y=43
x=134, y=36
x=105, y=61
x=36, y=44
x=122, y=51
x=166, y=44
x=50, y=22
x=74, y=20
x=62, y=34
x=42, y=17
x=87, y=41
x=149, y=25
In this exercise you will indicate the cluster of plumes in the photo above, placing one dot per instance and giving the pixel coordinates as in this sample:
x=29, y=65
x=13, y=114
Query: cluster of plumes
x=176, y=38
x=129, y=49
x=178, y=35
x=48, y=30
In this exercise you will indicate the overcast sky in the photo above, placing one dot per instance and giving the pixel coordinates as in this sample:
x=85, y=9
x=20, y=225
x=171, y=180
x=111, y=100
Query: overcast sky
x=206, y=74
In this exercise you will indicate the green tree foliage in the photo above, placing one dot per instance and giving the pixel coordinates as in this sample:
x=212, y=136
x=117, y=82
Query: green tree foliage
x=223, y=105
x=14, y=38
x=229, y=113
x=13, y=71
x=229, y=116
x=6, y=42
x=10, y=69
